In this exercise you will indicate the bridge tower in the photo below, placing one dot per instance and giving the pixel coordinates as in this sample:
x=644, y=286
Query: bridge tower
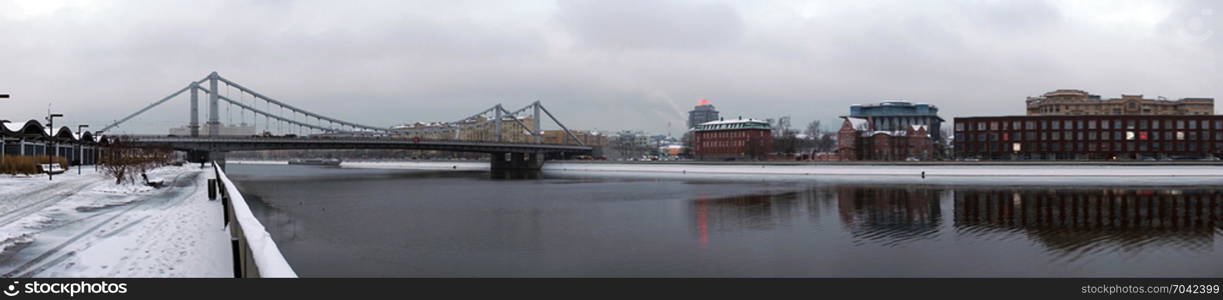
x=214, y=117
x=195, y=110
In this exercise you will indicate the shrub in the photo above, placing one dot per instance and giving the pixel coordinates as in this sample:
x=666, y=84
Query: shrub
x=27, y=164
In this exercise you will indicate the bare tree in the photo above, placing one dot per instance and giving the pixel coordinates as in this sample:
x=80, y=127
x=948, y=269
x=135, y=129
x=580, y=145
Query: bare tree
x=813, y=130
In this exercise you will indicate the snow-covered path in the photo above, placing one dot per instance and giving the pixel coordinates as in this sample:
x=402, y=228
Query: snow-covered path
x=86, y=226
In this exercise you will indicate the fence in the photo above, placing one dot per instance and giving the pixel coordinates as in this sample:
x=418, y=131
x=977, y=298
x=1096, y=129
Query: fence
x=255, y=253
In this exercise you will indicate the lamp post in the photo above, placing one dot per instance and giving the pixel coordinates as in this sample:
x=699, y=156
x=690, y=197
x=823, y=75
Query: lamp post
x=80, y=157
x=51, y=143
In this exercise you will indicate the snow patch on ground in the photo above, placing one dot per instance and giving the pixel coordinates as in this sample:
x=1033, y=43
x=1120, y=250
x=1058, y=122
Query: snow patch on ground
x=87, y=226
x=420, y=165
x=882, y=173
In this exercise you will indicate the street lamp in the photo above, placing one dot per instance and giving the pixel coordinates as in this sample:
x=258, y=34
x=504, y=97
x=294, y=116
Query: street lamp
x=51, y=142
x=80, y=148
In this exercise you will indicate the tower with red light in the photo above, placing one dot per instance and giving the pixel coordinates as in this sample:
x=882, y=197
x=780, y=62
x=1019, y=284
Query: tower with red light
x=703, y=112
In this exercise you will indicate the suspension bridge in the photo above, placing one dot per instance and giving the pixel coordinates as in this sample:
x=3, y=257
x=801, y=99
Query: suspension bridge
x=513, y=138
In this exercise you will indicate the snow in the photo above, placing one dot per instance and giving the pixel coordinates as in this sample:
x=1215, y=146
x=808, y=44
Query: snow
x=934, y=174
x=87, y=226
x=421, y=165
x=978, y=174
x=13, y=127
x=267, y=256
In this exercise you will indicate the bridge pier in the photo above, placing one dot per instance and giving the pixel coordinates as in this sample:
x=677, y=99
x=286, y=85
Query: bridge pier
x=516, y=161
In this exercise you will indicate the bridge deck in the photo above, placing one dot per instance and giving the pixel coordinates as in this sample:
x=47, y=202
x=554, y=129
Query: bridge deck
x=287, y=143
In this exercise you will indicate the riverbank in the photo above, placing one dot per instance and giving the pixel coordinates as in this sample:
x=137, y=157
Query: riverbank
x=87, y=226
x=977, y=173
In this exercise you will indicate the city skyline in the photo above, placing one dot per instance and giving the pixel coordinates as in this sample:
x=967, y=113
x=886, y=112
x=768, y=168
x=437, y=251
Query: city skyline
x=434, y=61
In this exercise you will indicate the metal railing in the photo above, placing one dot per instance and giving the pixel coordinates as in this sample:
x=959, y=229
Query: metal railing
x=255, y=253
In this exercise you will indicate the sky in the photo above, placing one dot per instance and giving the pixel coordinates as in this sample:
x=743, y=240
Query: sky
x=605, y=65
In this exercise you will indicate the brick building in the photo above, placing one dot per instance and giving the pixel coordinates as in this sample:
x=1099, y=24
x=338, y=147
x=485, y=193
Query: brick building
x=732, y=140
x=1078, y=102
x=857, y=141
x=1090, y=137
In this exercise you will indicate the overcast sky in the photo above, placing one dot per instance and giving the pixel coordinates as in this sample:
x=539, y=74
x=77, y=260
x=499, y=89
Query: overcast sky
x=605, y=65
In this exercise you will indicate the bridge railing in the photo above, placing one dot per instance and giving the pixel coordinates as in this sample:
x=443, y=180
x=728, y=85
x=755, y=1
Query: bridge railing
x=255, y=253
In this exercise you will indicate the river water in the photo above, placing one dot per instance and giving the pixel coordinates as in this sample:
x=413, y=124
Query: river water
x=347, y=222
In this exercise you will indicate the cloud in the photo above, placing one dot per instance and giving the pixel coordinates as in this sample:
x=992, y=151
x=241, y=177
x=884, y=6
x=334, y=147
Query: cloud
x=598, y=64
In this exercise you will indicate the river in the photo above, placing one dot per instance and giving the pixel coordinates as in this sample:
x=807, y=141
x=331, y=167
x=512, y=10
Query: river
x=350, y=222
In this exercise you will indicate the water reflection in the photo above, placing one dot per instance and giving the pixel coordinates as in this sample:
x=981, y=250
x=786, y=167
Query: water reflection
x=1072, y=221
x=889, y=215
x=1065, y=220
x=755, y=211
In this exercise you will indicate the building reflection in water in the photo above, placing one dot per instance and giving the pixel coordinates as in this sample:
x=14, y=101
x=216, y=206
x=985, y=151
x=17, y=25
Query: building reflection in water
x=889, y=215
x=754, y=212
x=885, y=215
x=1067, y=221
x=1082, y=219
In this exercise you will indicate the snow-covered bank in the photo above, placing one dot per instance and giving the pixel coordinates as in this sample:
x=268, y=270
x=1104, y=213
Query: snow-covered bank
x=86, y=226
x=267, y=256
x=421, y=165
x=1044, y=174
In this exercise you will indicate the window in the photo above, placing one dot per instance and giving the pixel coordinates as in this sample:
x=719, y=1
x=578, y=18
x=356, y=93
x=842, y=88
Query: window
x=1180, y=135
x=1129, y=135
x=1104, y=124
x=980, y=126
x=1091, y=124
x=1193, y=124
x=1057, y=125
x=959, y=126
x=1180, y=124
x=1016, y=125
x=1155, y=124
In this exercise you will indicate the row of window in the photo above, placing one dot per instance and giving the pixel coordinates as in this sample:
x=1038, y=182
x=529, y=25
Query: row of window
x=1088, y=124
x=1092, y=147
x=1090, y=136
x=723, y=144
x=731, y=134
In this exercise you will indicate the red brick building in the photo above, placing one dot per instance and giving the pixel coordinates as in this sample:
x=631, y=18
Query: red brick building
x=856, y=141
x=732, y=140
x=1089, y=137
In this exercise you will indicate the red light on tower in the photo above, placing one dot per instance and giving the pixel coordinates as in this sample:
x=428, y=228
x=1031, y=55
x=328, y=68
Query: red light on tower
x=702, y=102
